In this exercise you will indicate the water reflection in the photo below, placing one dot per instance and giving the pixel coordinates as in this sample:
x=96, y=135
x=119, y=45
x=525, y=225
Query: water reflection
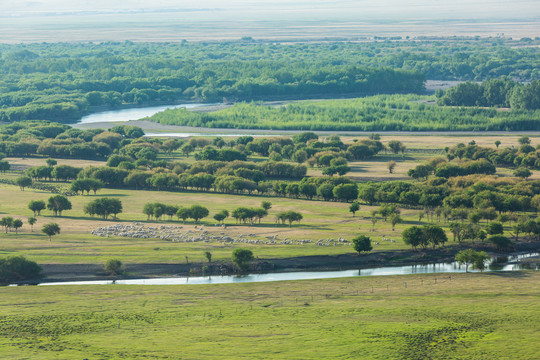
x=311, y=275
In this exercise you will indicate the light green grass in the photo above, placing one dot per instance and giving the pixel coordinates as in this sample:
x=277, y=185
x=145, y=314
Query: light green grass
x=465, y=316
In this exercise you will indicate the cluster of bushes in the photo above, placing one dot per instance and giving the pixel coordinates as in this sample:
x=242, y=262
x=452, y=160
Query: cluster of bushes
x=523, y=156
x=494, y=92
x=49, y=139
x=443, y=169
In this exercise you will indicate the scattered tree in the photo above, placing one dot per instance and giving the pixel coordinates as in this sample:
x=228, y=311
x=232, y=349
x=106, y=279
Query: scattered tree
x=17, y=224
x=362, y=243
x=57, y=204
x=23, y=181
x=114, y=267
x=472, y=257
x=50, y=230
x=31, y=222
x=242, y=258
x=354, y=207
x=391, y=165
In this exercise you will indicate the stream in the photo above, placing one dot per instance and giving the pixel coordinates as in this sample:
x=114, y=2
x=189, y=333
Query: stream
x=497, y=264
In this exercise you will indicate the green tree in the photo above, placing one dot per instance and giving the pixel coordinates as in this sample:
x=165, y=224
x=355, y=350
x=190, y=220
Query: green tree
x=242, y=258
x=183, y=213
x=6, y=222
x=31, y=222
x=104, y=207
x=51, y=162
x=362, y=243
x=391, y=165
x=36, y=206
x=17, y=224
x=57, y=204
x=394, y=220
x=222, y=215
x=266, y=205
x=413, y=236
x=114, y=267
x=494, y=228
x=50, y=230
x=208, y=256
x=354, y=207
x=23, y=181
x=198, y=212
x=522, y=172
x=346, y=192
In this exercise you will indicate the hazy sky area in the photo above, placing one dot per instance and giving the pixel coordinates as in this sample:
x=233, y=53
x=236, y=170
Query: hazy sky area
x=97, y=20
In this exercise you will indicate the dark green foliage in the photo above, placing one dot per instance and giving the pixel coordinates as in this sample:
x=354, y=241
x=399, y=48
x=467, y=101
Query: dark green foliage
x=103, y=207
x=472, y=257
x=361, y=244
x=242, y=258
x=36, y=206
x=501, y=242
x=23, y=181
x=50, y=230
x=114, y=267
x=17, y=268
x=57, y=204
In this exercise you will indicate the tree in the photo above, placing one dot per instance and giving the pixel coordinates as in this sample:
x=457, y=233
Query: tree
x=394, y=220
x=198, y=212
x=354, y=207
x=413, y=236
x=290, y=217
x=494, y=228
x=183, y=213
x=23, y=181
x=6, y=222
x=4, y=166
x=36, y=206
x=524, y=140
x=104, y=207
x=362, y=243
x=17, y=224
x=266, y=205
x=346, y=192
x=242, y=258
x=222, y=215
x=395, y=146
x=497, y=143
x=522, y=172
x=374, y=219
x=472, y=257
x=434, y=235
x=114, y=267
x=31, y=222
x=391, y=165
x=208, y=256
x=51, y=162
x=50, y=230
x=57, y=204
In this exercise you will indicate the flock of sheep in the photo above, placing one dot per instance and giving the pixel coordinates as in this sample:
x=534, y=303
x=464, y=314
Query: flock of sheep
x=200, y=234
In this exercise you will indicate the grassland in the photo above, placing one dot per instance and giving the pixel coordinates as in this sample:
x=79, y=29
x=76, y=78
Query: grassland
x=465, y=316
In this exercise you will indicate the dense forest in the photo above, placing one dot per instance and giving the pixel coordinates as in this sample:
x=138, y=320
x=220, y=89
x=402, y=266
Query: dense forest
x=376, y=113
x=493, y=93
x=61, y=82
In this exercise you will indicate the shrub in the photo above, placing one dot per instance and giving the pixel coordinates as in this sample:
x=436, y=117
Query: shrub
x=17, y=268
x=362, y=243
x=114, y=267
x=242, y=258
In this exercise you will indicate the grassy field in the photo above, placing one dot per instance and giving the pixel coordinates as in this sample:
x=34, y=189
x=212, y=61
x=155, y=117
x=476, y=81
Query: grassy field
x=75, y=244
x=462, y=316
x=322, y=220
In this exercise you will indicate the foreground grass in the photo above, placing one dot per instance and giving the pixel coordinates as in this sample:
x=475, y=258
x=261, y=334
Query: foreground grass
x=465, y=316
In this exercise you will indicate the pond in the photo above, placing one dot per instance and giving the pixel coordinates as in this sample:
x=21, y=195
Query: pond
x=497, y=264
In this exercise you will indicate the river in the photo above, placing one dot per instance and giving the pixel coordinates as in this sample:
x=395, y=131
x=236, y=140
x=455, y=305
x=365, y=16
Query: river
x=505, y=264
x=132, y=113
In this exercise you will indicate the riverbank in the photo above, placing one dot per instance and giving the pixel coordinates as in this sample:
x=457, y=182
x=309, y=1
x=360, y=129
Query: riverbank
x=91, y=272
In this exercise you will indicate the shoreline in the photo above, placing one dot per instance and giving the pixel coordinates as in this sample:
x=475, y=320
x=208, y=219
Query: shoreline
x=351, y=261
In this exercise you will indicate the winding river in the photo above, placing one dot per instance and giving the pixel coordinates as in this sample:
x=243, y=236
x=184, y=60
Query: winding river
x=505, y=264
x=132, y=113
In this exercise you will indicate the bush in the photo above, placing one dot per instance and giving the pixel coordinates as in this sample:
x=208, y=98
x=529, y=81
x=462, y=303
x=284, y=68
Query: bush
x=114, y=267
x=17, y=268
x=242, y=258
x=500, y=241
